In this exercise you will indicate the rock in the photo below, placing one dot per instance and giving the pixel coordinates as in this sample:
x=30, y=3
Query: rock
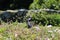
x=6, y=16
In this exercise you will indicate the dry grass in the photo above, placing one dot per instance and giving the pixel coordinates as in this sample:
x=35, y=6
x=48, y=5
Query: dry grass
x=19, y=31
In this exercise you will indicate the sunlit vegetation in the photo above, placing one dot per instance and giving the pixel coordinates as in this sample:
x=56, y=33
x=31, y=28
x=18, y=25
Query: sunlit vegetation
x=45, y=24
x=19, y=31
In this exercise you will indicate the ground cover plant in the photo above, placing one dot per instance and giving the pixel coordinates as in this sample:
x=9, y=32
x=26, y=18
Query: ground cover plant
x=45, y=24
x=45, y=18
x=18, y=31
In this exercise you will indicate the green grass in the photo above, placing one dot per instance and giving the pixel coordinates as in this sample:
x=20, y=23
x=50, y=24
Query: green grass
x=19, y=31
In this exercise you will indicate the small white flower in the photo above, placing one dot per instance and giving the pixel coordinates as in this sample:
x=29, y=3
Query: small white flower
x=16, y=34
x=50, y=31
x=37, y=28
x=49, y=26
x=55, y=30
